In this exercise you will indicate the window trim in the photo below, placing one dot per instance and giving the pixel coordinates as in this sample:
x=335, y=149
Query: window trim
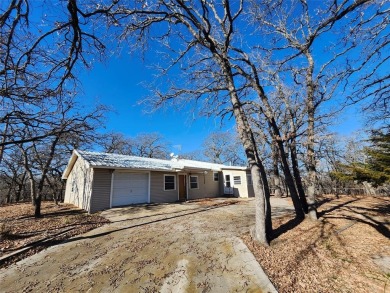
x=238, y=182
x=174, y=181
x=216, y=173
x=197, y=182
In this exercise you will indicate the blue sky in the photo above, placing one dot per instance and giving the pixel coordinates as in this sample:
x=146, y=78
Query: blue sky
x=118, y=84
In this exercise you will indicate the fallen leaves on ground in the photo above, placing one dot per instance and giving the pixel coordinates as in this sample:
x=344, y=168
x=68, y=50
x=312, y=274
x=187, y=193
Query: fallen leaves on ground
x=211, y=202
x=337, y=253
x=19, y=228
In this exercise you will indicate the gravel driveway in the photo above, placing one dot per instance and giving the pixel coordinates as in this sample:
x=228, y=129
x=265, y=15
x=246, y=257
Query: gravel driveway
x=188, y=247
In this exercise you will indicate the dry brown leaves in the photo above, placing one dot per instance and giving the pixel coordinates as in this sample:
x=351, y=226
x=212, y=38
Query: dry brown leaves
x=334, y=254
x=210, y=202
x=19, y=228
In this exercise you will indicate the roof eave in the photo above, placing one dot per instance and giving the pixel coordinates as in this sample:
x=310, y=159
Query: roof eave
x=70, y=165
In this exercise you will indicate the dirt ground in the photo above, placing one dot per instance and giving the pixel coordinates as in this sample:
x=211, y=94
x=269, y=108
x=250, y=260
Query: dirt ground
x=347, y=250
x=183, y=247
x=19, y=229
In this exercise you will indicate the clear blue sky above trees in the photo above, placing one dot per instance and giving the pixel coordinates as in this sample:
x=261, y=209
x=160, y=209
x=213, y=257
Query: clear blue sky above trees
x=119, y=84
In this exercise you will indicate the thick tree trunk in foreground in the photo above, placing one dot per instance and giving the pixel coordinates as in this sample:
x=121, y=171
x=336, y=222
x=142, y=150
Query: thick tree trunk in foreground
x=311, y=160
x=259, y=233
x=263, y=225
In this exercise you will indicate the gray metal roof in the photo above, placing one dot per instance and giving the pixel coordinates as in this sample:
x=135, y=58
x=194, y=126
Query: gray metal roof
x=115, y=161
x=122, y=161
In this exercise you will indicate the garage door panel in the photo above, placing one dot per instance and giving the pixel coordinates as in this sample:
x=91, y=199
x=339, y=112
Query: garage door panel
x=130, y=188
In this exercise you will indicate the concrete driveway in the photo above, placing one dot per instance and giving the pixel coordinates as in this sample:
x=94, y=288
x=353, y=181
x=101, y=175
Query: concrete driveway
x=188, y=247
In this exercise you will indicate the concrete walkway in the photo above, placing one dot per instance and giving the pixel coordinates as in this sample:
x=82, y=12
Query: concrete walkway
x=185, y=247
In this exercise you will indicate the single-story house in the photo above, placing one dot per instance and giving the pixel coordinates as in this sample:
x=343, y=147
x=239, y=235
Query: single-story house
x=97, y=181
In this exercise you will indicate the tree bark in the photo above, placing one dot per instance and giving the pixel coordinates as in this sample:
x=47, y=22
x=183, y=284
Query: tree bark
x=311, y=160
x=290, y=183
x=276, y=175
x=19, y=191
x=37, y=207
x=276, y=135
x=8, y=198
x=297, y=175
x=263, y=225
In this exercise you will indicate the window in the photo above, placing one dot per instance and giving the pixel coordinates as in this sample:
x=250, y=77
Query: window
x=249, y=179
x=194, y=182
x=216, y=176
x=237, y=179
x=169, y=182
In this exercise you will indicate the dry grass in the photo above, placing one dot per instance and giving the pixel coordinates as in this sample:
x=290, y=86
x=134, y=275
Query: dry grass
x=338, y=253
x=19, y=228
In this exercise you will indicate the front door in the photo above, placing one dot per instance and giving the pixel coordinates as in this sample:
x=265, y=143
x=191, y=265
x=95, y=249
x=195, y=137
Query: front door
x=182, y=187
x=228, y=187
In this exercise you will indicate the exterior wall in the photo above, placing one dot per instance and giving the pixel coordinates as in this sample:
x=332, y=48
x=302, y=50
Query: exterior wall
x=239, y=190
x=207, y=187
x=157, y=192
x=101, y=190
x=79, y=185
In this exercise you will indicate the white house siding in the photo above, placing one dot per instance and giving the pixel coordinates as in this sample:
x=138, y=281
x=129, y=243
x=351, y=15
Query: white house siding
x=207, y=187
x=101, y=189
x=79, y=185
x=239, y=190
x=157, y=192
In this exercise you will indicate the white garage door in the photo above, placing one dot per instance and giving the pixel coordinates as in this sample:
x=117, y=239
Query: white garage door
x=130, y=188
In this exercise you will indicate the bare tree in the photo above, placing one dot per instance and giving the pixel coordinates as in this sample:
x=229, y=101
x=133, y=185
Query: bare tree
x=117, y=143
x=310, y=45
x=13, y=176
x=150, y=145
x=223, y=148
x=204, y=32
x=39, y=59
x=196, y=155
x=40, y=157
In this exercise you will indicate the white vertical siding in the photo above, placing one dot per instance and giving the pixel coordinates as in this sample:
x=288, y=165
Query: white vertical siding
x=239, y=190
x=79, y=185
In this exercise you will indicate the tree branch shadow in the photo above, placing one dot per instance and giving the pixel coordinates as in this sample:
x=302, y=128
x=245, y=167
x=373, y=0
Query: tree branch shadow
x=335, y=207
x=289, y=225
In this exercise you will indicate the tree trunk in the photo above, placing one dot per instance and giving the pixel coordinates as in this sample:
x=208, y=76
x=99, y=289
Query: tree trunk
x=290, y=182
x=259, y=233
x=8, y=198
x=4, y=139
x=263, y=225
x=275, y=164
x=37, y=205
x=311, y=160
x=267, y=195
x=297, y=175
x=34, y=199
x=18, y=192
